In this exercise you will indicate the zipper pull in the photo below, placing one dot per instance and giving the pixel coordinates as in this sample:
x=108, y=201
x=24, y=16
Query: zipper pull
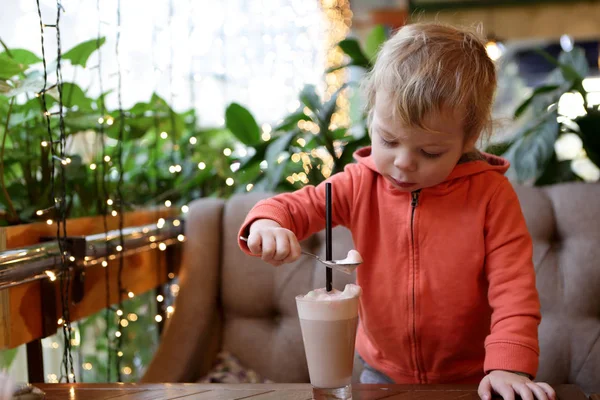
x=415, y=199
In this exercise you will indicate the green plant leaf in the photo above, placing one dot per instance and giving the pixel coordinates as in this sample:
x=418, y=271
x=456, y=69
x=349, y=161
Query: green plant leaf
x=530, y=153
x=9, y=67
x=291, y=121
x=310, y=98
x=557, y=172
x=375, y=39
x=538, y=91
x=24, y=57
x=352, y=48
x=74, y=96
x=242, y=124
x=80, y=54
x=589, y=132
x=329, y=108
x=576, y=60
x=7, y=357
x=275, y=169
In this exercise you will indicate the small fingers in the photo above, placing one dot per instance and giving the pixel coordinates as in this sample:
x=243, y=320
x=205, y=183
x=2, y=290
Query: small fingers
x=539, y=393
x=295, y=249
x=547, y=389
x=269, y=247
x=505, y=391
x=485, y=389
x=524, y=391
x=255, y=243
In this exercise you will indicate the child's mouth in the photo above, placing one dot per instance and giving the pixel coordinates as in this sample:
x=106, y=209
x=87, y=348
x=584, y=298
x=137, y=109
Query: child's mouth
x=402, y=184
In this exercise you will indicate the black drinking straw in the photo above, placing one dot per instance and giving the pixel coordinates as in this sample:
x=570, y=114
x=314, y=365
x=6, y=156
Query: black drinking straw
x=328, y=255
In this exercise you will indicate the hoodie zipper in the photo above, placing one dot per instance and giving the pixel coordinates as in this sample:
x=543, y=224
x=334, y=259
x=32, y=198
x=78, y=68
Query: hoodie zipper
x=414, y=203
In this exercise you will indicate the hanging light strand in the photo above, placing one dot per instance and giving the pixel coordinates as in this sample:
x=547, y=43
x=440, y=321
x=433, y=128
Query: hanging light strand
x=102, y=201
x=119, y=333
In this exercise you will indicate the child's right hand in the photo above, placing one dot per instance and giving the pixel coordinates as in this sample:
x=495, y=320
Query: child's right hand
x=276, y=245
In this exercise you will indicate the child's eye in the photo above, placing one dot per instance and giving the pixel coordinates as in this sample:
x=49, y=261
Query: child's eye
x=430, y=155
x=387, y=143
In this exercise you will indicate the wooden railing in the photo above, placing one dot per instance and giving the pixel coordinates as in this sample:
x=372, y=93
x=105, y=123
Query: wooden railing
x=30, y=298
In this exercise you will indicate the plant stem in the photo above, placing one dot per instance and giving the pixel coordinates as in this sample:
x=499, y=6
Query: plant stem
x=6, y=48
x=11, y=207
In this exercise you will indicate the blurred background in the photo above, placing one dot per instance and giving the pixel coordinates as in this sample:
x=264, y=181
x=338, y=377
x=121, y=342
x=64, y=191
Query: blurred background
x=165, y=101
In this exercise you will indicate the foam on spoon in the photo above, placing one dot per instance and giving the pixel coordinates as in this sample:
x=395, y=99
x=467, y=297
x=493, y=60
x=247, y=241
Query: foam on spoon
x=353, y=257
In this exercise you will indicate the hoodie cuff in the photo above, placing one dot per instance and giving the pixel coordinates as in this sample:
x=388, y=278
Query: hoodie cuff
x=511, y=357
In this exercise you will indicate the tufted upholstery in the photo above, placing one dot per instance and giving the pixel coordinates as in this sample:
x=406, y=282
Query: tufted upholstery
x=233, y=302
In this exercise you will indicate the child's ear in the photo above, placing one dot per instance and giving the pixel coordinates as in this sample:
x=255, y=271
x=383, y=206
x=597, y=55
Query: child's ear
x=469, y=145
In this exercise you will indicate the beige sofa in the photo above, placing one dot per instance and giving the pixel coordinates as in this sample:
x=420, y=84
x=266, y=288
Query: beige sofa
x=234, y=302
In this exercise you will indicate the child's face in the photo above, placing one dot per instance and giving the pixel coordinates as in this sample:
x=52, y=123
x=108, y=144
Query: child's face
x=412, y=158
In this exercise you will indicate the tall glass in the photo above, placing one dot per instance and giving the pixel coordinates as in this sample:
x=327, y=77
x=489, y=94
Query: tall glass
x=329, y=332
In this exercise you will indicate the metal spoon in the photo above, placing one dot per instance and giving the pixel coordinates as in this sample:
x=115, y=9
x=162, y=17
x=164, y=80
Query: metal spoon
x=345, y=267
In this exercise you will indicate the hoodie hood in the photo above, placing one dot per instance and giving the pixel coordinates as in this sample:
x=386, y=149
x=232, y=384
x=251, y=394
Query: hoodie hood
x=489, y=162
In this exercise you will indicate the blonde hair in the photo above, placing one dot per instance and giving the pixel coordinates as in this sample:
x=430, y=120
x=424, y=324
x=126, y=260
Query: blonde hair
x=425, y=67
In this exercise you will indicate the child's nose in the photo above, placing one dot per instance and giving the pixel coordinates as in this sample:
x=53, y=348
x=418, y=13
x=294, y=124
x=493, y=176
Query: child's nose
x=405, y=162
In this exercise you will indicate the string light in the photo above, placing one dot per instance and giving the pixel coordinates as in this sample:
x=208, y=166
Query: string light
x=109, y=202
x=201, y=165
x=87, y=366
x=104, y=264
x=92, y=166
x=107, y=158
x=162, y=247
x=124, y=323
x=181, y=238
x=167, y=204
x=118, y=334
x=119, y=312
x=171, y=275
x=49, y=222
x=114, y=213
x=120, y=354
x=44, y=144
x=132, y=317
x=60, y=322
x=130, y=295
x=193, y=140
x=249, y=187
x=127, y=370
x=229, y=181
x=158, y=318
x=160, y=298
x=52, y=276
x=119, y=248
x=176, y=222
x=164, y=135
x=185, y=209
x=160, y=223
x=227, y=151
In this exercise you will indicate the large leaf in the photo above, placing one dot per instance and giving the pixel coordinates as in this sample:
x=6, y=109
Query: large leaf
x=329, y=108
x=24, y=57
x=80, y=54
x=352, y=48
x=33, y=83
x=278, y=146
x=291, y=121
x=538, y=91
x=9, y=67
x=74, y=96
x=576, y=60
x=242, y=124
x=589, y=126
x=530, y=153
x=310, y=98
x=375, y=39
x=79, y=121
x=557, y=172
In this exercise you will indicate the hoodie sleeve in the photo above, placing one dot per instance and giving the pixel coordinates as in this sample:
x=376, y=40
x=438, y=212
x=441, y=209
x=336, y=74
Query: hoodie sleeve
x=513, y=342
x=303, y=211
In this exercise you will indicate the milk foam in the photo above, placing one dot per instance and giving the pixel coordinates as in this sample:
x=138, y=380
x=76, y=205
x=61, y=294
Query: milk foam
x=319, y=304
x=353, y=257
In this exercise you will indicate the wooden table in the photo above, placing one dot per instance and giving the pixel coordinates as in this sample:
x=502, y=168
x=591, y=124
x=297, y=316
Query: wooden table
x=284, y=391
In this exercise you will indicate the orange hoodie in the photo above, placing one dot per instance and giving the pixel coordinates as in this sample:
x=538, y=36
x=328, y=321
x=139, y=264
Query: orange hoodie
x=448, y=280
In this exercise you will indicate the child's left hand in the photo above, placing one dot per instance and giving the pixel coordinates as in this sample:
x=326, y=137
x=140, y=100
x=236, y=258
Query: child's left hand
x=506, y=384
